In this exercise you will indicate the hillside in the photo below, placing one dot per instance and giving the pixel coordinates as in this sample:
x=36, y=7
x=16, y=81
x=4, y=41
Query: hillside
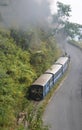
x=23, y=57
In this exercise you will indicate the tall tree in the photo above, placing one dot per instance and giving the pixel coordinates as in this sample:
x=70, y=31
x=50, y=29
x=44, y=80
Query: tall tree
x=62, y=24
x=62, y=15
x=63, y=11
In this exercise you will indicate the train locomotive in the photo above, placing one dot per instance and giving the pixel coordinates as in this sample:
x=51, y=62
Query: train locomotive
x=41, y=87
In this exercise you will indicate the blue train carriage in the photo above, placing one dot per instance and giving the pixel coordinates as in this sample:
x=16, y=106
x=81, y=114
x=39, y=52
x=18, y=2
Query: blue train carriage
x=56, y=70
x=64, y=61
x=40, y=88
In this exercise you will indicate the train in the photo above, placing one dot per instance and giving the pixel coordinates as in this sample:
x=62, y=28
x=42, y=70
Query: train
x=41, y=87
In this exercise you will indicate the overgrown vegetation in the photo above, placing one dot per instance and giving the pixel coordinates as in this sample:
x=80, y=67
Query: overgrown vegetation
x=23, y=57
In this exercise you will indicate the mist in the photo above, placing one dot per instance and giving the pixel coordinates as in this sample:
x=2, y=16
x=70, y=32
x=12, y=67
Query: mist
x=23, y=13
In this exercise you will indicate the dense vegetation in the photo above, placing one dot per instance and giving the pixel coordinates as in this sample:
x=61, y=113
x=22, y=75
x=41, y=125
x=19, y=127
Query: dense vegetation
x=23, y=57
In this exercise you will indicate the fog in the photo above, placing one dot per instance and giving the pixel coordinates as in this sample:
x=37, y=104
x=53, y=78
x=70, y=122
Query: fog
x=23, y=13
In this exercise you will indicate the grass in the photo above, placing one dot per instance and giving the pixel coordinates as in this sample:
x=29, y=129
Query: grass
x=76, y=43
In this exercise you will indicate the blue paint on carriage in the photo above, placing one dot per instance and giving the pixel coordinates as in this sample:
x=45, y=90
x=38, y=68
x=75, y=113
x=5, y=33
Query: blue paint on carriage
x=53, y=76
x=56, y=78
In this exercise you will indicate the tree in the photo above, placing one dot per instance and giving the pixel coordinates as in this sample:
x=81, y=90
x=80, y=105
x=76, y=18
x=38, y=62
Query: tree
x=72, y=29
x=62, y=16
x=63, y=11
x=62, y=24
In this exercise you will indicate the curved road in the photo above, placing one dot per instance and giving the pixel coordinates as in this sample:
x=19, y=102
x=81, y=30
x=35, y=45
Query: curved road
x=64, y=111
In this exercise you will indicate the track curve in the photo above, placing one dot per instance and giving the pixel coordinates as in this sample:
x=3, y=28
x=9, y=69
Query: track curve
x=64, y=111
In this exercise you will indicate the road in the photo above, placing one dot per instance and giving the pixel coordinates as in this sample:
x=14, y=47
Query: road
x=64, y=111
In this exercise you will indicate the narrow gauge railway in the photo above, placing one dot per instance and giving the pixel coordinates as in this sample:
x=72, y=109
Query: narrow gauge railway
x=41, y=87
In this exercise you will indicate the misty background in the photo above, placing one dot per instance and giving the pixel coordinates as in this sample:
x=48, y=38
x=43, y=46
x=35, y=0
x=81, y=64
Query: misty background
x=23, y=13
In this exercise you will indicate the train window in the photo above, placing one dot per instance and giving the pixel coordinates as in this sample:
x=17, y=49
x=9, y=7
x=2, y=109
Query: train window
x=36, y=89
x=36, y=92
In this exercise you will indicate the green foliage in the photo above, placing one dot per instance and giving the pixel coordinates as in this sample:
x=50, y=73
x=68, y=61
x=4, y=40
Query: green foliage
x=62, y=24
x=23, y=57
x=61, y=17
x=72, y=29
x=35, y=118
x=16, y=74
x=4, y=33
x=22, y=38
x=63, y=13
x=63, y=10
x=42, y=59
x=40, y=44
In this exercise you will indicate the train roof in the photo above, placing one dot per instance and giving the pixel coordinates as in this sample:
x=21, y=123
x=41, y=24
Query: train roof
x=43, y=79
x=54, y=68
x=62, y=60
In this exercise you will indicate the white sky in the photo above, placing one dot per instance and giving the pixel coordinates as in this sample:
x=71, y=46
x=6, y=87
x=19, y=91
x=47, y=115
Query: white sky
x=76, y=7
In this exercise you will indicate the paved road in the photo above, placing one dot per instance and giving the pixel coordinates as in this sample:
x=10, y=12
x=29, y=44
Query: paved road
x=64, y=111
